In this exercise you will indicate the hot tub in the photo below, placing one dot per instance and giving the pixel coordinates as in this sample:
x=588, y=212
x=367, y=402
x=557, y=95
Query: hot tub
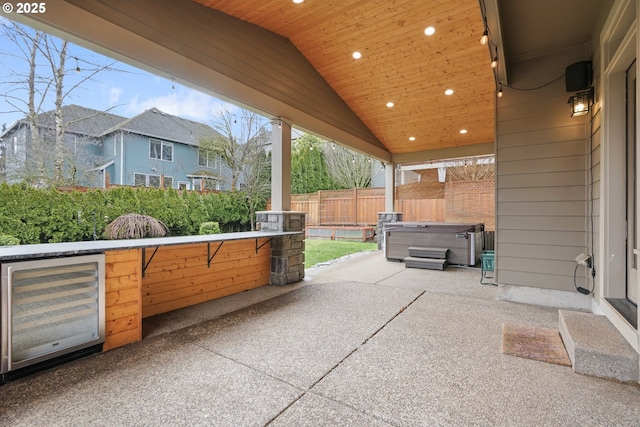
x=464, y=241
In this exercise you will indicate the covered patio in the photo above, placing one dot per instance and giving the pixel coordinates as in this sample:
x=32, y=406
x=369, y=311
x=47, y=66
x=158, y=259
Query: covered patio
x=422, y=87
x=389, y=347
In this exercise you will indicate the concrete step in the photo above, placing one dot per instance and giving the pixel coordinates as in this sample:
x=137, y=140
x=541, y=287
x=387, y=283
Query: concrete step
x=596, y=348
x=438, y=253
x=428, y=263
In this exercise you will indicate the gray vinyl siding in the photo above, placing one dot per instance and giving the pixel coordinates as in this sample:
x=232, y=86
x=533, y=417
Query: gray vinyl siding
x=108, y=147
x=593, y=192
x=111, y=173
x=541, y=191
x=137, y=160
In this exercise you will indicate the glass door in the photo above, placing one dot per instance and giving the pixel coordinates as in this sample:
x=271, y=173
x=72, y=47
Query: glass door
x=51, y=307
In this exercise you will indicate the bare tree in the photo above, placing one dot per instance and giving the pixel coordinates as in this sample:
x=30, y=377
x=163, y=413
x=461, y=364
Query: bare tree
x=43, y=82
x=472, y=170
x=56, y=57
x=27, y=43
x=256, y=178
x=242, y=144
x=236, y=143
x=348, y=168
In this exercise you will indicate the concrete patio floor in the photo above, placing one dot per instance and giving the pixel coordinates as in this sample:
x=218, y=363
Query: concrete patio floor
x=362, y=342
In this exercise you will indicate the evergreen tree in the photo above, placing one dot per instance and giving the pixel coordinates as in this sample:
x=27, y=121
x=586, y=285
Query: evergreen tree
x=309, y=172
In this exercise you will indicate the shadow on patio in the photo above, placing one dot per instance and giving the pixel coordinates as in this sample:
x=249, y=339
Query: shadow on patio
x=363, y=342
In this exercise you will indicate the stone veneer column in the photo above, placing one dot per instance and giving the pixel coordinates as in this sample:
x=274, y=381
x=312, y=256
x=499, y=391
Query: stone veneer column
x=385, y=218
x=287, y=252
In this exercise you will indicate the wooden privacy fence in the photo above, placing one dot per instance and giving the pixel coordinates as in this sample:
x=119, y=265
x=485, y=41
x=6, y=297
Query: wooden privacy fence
x=360, y=207
x=471, y=201
x=463, y=201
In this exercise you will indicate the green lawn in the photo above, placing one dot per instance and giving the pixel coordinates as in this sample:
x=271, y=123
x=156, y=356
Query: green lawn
x=317, y=251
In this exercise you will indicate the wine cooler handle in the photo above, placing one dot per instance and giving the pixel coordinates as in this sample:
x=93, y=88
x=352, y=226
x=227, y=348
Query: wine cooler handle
x=9, y=315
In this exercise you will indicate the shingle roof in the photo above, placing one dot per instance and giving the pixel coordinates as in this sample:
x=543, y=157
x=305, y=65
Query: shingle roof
x=155, y=123
x=82, y=120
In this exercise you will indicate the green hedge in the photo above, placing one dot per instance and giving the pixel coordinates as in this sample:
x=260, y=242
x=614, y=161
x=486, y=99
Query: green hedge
x=209, y=228
x=6, y=240
x=48, y=215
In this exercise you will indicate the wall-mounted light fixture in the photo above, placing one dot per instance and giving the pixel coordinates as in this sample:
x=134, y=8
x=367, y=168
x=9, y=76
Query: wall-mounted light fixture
x=578, y=78
x=581, y=102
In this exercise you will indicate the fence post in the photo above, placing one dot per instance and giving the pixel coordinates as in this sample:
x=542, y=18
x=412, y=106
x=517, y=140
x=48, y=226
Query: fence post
x=355, y=206
x=320, y=207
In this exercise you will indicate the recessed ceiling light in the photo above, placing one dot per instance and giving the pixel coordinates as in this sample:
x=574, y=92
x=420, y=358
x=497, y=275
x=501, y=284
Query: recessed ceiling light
x=390, y=104
x=298, y=1
x=463, y=131
x=429, y=31
x=412, y=138
x=448, y=92
x=356, y=55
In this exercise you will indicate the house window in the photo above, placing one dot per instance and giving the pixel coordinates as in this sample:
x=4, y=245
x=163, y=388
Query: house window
x=140, y=179
x=205, y=183
x=207, y=159
x=160, y=150
x=154, y=181
x=183, y=185
x=168, y=182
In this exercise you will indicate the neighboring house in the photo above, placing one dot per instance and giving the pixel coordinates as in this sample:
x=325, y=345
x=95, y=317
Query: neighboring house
x=156, y=149
x=152, y=149
x=84, y=128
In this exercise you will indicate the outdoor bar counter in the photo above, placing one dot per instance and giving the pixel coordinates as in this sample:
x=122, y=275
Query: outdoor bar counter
x=144, y=277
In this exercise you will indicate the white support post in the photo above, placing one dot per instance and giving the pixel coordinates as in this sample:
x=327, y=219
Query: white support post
x=389, y=187
x=280, y=165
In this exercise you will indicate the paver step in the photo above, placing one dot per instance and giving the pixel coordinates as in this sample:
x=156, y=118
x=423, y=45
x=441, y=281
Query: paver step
x=596, y=348
x=428, y=263
x=418, y=252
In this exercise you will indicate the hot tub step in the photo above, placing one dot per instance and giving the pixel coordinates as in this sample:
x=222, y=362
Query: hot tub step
x=437, y=253
x=428, y=263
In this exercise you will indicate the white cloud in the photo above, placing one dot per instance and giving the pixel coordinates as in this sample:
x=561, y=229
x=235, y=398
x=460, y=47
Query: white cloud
x=182, y=102
x=114, y=95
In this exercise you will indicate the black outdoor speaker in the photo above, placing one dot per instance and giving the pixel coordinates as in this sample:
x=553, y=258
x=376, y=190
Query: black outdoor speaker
x=578, y=76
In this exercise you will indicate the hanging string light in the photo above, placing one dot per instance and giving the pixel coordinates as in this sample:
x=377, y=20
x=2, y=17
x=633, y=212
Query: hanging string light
x=485, y=35
x=485, y=38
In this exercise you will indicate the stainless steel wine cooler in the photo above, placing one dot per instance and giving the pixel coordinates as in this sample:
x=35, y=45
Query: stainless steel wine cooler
x=50, y=308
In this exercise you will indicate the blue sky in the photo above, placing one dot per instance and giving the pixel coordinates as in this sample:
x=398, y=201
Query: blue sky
x=126, y=92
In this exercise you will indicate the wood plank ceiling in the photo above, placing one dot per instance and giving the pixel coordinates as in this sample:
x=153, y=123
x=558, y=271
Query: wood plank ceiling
x=399, y=63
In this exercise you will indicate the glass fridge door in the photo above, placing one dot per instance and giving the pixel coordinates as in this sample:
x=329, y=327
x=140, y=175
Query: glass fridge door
x=51, y=307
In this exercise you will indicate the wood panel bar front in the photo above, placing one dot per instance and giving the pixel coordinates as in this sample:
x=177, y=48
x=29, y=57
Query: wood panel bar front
x=177, y=276
x=123, y=304
x=180, y=276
